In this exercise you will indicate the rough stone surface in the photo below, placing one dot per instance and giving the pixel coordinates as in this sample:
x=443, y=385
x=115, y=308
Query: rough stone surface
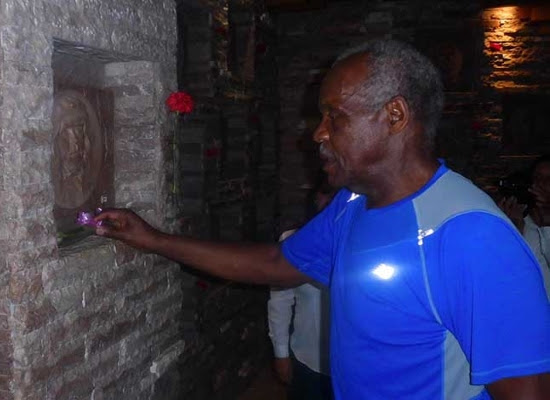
x=89, y=320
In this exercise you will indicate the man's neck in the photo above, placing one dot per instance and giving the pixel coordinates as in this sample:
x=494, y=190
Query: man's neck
x=401, y=182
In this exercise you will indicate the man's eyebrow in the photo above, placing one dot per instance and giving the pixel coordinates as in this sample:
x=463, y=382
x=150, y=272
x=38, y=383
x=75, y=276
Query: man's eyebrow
x=342, y=106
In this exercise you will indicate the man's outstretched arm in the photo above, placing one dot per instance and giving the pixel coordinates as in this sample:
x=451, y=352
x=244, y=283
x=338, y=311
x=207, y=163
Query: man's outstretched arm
x=251, y=263
x=533, y=387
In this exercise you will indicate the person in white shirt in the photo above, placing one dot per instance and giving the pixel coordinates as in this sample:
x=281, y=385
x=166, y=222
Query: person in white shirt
x=299, y=329
x=533, y=220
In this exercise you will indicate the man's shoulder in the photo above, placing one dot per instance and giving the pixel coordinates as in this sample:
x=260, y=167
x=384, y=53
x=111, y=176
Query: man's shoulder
x=451, y=196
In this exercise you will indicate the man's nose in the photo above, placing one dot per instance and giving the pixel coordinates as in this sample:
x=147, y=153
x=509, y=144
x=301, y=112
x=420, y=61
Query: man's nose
x=321, y=133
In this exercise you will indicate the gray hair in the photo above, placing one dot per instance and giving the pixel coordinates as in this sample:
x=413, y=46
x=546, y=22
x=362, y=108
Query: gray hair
x=396, y=68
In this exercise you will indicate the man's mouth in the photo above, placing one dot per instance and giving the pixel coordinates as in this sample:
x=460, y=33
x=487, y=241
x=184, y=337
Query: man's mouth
x=328, y=163
x=324, y=153
x=326, y=156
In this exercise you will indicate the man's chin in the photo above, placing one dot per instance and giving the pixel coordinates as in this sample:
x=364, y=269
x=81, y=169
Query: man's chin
x=334, y=180
x=332, y=172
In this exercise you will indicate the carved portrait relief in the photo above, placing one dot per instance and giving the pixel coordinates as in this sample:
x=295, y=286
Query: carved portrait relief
x=78, y=149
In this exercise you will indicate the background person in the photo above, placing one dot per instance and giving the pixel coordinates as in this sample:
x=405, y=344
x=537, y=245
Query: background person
x=533, y=218
x=302, y=356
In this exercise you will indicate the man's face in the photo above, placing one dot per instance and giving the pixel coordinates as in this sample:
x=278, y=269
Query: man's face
x=351, y=137
x=541, y=175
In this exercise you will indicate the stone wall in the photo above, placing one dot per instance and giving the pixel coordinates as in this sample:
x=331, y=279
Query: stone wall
x=94, y=319
x=487, y=54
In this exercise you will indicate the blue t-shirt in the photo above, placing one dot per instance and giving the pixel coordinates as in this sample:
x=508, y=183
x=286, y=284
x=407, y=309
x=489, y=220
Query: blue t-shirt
x=432, y=297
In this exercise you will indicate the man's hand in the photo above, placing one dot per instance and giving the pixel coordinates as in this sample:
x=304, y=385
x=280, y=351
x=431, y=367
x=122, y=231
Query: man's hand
x=283, y=369
x=127, y=226
x=541, y=195
x=514, y=211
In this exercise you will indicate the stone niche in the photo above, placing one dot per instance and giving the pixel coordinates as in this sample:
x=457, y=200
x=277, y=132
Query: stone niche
x=82, y=157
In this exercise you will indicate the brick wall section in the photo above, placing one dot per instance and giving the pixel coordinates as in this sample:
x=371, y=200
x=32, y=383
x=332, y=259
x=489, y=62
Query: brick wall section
x=96, y=319
x=519, y=68
x=471, y=131
x=227, y=150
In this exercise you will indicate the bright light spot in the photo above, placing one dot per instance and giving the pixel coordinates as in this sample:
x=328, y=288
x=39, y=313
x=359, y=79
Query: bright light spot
x=505, y=13
x=384, y=271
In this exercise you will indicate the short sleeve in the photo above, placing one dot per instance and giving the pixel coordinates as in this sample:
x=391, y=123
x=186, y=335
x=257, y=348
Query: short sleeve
x=279, y=317
x=489, y=292
x=311, y=248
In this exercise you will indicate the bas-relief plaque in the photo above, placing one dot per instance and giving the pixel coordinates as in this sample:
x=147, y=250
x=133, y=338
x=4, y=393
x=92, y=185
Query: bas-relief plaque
x=78, y=150
x=82, y=159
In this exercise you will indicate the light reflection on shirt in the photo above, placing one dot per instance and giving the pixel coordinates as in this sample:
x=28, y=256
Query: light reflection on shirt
x=384, y=271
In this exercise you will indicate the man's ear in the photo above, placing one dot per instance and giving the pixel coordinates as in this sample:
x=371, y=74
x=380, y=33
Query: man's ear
x=398, y=114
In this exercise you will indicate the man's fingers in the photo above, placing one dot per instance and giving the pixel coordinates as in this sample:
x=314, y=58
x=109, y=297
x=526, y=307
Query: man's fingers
x=108, y=214
x=102, y=231
x=109, y=230
x=539, y=192
x=109, y=226
x=112, y=220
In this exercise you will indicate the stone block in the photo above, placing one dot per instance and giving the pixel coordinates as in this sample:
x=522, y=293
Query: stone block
x=24, y=74
x=35, y=316
x=192, y=163
x=78, y=388
x=136, y=159
x=25, y=286
x=540, y=13
x=168, y=357
x=124, y=254
x=33, y=258
x=35, y=166
x=116, y=332
x=129, y=198
x=192, y=133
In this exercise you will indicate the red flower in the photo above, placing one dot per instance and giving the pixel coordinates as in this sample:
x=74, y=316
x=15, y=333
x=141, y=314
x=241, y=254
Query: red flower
x=496, y=46
x=221, y=30
x=476, y=126
x=202, y=284
x=180, y=102
x=212, y=152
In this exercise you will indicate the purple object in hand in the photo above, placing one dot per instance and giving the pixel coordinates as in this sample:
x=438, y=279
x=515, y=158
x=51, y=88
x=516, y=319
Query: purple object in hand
x=87, y=218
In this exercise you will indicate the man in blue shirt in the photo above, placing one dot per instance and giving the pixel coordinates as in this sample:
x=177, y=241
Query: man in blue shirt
x=434, y=293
